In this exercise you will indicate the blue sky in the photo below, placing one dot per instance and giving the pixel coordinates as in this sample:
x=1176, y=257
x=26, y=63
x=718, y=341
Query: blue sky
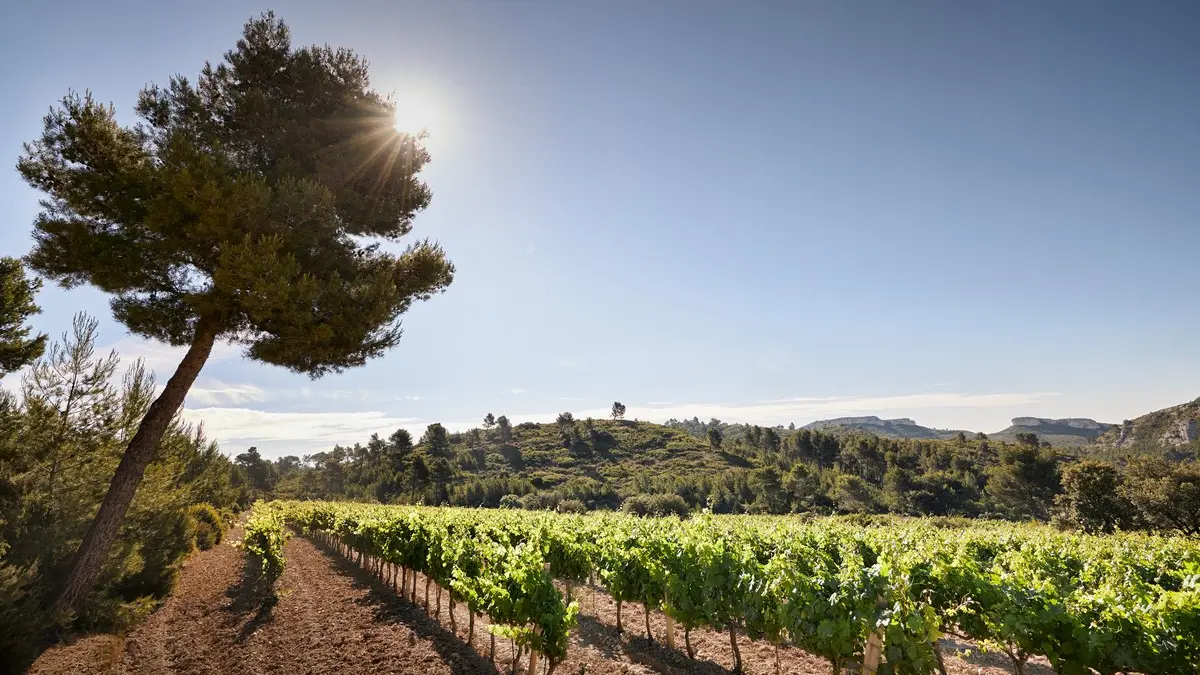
x=763, y=212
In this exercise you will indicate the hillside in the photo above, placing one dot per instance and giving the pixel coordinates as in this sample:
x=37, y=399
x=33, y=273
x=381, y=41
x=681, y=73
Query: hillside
x=894, y=428
x=1070, y=432
x=1173, y=428
x=608, y=451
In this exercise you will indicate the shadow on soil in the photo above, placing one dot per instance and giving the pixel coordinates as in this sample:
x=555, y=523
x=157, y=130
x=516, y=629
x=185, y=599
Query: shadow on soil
x=973, y=655
x=250, y=603
x=641, y=650
x=390, y=608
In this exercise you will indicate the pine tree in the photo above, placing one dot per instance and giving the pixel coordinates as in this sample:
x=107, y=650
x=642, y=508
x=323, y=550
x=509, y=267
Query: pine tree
x=17, y=349
x=241, y=209
x=618, y=410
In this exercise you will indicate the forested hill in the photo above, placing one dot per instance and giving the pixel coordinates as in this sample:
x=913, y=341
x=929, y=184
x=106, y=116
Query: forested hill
x=578, y=465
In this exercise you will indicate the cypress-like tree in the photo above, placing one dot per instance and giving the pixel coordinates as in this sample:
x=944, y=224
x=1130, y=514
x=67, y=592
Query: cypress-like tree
x=248, y=207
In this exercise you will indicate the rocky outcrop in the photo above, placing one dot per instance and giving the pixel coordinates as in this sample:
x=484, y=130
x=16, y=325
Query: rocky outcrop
x=1164, y=429
x=1070, y=422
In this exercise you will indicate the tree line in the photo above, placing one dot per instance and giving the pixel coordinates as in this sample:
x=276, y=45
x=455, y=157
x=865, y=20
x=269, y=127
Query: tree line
x=62, y=435
x=767, y=470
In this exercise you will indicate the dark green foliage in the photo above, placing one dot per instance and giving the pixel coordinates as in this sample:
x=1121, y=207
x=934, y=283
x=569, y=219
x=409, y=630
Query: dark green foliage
x=1024, y=483
x=571, y=506
x=1166, y=495
x=655, y=505
x=249, y=207
x=17, y=348
x=239, y=201
x=618, y=410
x=60, y=443
x=207, y=524
x=1092, y=498
x=436, y=441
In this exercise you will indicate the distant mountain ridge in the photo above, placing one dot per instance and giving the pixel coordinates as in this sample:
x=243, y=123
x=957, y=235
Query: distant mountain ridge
x=1169, y=428
x=1067, y=432
x=900, y=427
x=1070, y=431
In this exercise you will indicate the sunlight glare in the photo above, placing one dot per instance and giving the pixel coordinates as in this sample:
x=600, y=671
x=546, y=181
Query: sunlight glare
x=414, y=115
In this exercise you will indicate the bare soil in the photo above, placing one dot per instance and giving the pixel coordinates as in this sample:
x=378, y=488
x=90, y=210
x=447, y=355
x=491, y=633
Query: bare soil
x=332, y=616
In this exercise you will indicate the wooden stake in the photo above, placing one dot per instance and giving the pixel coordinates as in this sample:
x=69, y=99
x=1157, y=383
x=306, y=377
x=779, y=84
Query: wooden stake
x=670, y=632
x=873, y=653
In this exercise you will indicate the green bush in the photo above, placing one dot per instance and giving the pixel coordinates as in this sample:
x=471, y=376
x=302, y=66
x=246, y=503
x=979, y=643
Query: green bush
x=656, y=505
x=571, y=506
x=22, y=620
x=208, y=524
x=510, y=502
x=164, y=539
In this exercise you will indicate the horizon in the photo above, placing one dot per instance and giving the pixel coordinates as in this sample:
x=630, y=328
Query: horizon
x=955, y=214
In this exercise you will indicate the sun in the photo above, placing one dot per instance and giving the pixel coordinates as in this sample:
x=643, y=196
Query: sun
x=414, y=114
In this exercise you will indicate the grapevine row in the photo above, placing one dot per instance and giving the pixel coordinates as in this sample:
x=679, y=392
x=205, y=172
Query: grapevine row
x=1124, y=603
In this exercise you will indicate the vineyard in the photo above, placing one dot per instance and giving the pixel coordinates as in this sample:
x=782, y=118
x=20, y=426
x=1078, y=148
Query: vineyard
x=879, y=595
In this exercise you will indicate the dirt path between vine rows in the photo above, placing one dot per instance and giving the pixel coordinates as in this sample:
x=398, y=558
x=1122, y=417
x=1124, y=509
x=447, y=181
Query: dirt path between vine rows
x=333, y=617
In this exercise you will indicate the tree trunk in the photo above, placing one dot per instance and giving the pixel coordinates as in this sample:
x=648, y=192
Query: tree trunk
x=941, y=665
x=619, y=616
x=492, y=649
x=687, y=642
x=471, y=628
x=737, y=654
x=649, y=635
x=93, y=551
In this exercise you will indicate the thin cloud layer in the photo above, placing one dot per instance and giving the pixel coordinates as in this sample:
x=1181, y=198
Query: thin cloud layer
x=215, y=393
x=161, y=358
x=290, y=433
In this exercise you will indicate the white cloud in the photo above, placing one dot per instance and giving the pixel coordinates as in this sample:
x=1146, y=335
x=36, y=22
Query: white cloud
x=291, y=433
x=520, y=391
x=215, y=392
x=161, y=358
x=414, y=398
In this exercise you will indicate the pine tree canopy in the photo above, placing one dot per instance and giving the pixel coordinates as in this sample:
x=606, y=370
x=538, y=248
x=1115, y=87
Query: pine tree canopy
x=17, y=348
x=257, y=203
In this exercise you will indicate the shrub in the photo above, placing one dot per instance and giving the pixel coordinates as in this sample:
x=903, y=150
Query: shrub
x=655, y=505
x=22, y=620
x=208, y=524
x=571, y=506
x=539, y=501
x=510, y=502
x=164, y=539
